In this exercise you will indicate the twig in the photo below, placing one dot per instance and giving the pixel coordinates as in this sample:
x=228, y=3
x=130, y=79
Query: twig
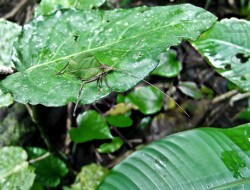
x=39, y=158
x=68, y=127
x=122, y=137
x=16, y=9
x=224, y=96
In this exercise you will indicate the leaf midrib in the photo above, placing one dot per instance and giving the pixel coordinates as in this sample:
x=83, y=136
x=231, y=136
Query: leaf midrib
x=107, y=45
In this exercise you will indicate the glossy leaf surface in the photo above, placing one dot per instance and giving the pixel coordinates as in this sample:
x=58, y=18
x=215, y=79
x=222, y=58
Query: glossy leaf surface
x=49, y=169
x=91, y=125
x=190, y=89
x=205, y=158
x=226, y=46
x=130, y=41
x=112, y=146
x=169, y=66
x=15, y=172
x=147, y=99
x=120, y=120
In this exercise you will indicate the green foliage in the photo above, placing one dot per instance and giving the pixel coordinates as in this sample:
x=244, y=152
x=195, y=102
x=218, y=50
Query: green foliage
x=120, y=120
x=203, y=158
x=15, y=173
x=8, y=33
x=49, y=6
x=226, y=47
x=91, y=125
x=48, y=170
x=147, y=99
x=168, y=66
x=89, y=177
x=15, y=126
x=190, y=89
x=94, y=37
x=5, y=99
x=112, y=146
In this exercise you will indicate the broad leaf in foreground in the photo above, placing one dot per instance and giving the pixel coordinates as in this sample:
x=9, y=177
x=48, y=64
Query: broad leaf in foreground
x=15, y=172
x=205, y=158
x=226, y=46
x=56, y=53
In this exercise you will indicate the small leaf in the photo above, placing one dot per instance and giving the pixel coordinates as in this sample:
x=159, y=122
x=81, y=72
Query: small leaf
x=147, y=99
x=190, y=89
x=15, y=172
x=129, y=41
x=121, y=120
x=5, y=99
x=91, y=126
x=47, y=7
x=89, y=177
x=169, y=66
x=226, y=47
x=48, y=170
x=111, y=147
x=120, y=108
x=8, y=33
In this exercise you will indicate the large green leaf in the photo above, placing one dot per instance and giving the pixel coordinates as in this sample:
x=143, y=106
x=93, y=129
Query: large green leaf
x=49, y=6
x=91, y=125
x=48, y=170
x=205, y=158
x=129, y=40
x=227, y=48
x=15, y=173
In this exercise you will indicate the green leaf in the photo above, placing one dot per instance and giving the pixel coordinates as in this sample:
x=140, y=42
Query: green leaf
x=15, y=173
x=190, y=89
x=89, y=177
x=49, y=169
x=226, y=47
x=244, y=114
x=205, y=158
x=169, y=66
x=128, y=41
x=91, y=126
x=120, y=120
x=8, y=33
x=147, y=99
x=49, y=6
x=5, y=99
x=112, y=146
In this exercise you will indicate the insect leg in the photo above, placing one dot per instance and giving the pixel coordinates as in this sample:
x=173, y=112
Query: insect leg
x=78, y=98
x=106, y=82
x=80, y=91
x=62, y=70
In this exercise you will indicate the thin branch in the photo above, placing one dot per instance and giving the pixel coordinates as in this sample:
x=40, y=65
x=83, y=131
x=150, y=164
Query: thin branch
x=39, y=158
x=18, y=7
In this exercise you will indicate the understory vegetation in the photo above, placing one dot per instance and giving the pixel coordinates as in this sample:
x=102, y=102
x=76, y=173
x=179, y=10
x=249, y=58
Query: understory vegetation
x=124, y=94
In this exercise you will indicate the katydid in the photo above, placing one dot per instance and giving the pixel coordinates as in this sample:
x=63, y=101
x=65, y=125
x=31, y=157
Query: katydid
x=99, y=74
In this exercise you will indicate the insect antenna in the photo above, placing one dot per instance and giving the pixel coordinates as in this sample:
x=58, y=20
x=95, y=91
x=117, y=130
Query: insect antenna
x=153, y=87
